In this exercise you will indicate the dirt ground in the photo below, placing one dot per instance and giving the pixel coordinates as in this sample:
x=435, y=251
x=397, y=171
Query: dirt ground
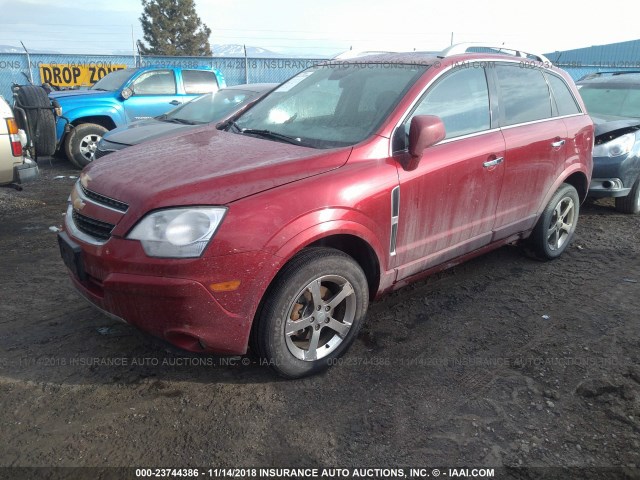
x=502, y=361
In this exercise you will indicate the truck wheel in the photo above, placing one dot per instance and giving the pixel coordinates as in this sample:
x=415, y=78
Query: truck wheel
x=630, y=203
x=81, y=143
x=312, y=313
x=557, y=224
x=40, y=118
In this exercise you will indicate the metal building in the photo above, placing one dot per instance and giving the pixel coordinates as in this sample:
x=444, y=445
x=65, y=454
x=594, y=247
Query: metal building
x=598, y=58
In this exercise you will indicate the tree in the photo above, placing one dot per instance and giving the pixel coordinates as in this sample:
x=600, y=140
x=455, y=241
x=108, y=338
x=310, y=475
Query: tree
x=172, y=27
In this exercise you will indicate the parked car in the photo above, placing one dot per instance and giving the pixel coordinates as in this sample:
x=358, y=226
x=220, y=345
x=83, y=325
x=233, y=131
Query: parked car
x=613, y=101
x=208, y=108
x=121, y=97
x=276, y=228
x=15, y=168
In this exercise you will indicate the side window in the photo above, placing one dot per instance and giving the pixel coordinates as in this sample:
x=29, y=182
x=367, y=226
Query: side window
x=565, y=102
x=160, y=82
x=461, y=100
x=199, y=81
x=524, y=94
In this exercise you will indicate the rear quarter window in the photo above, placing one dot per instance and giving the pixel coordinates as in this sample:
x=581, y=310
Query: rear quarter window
x=524, y=94
x=565, y=102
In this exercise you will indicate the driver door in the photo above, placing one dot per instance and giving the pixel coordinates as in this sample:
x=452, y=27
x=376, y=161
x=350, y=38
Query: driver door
x=448, y=203
x=154, y=93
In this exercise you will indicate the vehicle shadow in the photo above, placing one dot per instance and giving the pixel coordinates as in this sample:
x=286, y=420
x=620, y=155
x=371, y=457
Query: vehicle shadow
x=71, y=343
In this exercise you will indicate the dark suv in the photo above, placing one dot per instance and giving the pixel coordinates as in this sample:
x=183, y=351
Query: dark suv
x=613, y=101
x=348, y=181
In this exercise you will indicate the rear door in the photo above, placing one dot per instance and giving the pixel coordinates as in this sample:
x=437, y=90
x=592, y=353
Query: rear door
x=448, y=203
x=535, y=145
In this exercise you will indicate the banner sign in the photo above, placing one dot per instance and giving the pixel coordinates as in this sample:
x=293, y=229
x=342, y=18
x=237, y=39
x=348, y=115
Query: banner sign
x=75, y=75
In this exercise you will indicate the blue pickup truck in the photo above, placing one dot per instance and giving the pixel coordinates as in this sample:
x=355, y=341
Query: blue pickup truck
x=121, y=97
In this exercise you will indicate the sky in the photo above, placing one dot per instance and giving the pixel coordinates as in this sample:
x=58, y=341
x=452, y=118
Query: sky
x=328, y=27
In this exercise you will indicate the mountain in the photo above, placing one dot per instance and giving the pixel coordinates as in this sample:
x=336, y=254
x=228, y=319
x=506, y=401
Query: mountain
x=224, y=50
x=235, y=50
x=11, y=49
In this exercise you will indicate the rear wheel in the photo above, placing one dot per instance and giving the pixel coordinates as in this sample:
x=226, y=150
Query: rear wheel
x=555, y=228
x=630, y=203
x=312, y=312
x=81, y=143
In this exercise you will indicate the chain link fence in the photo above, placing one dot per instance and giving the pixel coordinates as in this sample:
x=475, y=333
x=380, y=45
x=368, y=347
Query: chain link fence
x=20, y=68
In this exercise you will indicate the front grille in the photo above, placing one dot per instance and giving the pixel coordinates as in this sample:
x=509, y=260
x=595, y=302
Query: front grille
x=91, y=226
x=101, y=153
x=103, y=200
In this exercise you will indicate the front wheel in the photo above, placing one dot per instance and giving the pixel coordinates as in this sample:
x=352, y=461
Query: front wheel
x=630, y=203
x=312, y=312
x=557, y=224
x=82, y=142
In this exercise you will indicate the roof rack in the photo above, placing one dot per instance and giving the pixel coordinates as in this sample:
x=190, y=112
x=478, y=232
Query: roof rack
x=461, y=48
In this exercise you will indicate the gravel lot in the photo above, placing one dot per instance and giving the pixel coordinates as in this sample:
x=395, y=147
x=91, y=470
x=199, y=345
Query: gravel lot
x=503, y=361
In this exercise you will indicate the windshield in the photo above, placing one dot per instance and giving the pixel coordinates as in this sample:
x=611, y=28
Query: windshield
x=331, y=105
x=622, y=101
x=114, y=80
x=211, y=107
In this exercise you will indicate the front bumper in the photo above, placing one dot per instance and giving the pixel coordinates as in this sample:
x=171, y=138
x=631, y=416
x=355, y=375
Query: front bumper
x=168, y=298
x=614, y=177
x=607, y=187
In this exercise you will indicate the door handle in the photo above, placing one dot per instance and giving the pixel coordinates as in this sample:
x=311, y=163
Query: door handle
x=557, y=144
x=175, y=102
x=493, y=163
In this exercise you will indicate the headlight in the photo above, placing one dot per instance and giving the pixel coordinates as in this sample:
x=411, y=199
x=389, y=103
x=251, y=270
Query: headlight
x=177, y=232
x=616, y=147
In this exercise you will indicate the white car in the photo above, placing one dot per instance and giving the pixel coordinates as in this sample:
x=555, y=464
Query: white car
x=15, y=168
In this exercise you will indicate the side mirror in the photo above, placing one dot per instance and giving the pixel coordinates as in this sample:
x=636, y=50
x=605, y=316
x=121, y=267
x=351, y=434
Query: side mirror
x=425, y=131
x=126, y=93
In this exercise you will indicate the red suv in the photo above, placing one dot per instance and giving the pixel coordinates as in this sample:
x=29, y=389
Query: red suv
x=350, y=180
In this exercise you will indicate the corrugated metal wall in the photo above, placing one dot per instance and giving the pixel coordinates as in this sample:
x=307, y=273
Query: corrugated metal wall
x=598, y=58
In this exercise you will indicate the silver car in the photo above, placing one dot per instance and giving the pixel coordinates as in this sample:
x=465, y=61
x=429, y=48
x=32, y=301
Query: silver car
x=15, y=168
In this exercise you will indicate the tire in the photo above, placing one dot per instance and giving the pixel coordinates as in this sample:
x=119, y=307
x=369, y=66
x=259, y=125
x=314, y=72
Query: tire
x=81, y=143
x=555, y=228
x=630, y=203
x=295, y=316
x=42, y=122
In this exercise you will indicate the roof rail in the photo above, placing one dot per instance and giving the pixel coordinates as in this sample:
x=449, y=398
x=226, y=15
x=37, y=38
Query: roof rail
x=460, y=48
x=358, y=53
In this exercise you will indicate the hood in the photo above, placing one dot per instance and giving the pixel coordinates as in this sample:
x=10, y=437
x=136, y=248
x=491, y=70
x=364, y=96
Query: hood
x=204, y=167
x=610, y=123
x=63, y=95
x=144, y=130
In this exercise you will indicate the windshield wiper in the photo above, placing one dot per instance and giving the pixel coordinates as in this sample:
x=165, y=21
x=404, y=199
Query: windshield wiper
x=270, y=134
x=179, y=120
x=228, y=124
